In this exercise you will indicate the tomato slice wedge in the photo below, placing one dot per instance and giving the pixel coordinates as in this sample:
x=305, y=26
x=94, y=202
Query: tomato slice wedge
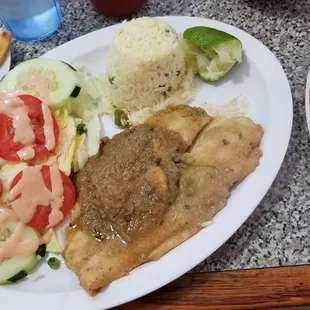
x=8, y=148
x=41, y=217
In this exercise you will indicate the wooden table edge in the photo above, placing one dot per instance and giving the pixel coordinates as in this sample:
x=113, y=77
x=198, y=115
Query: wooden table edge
x=242, y=289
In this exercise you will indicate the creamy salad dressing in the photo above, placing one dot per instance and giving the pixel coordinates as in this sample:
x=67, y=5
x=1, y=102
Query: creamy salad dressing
x=14, y=246
x=32, y=192
x=56, y=216
x=12, y=106
x=41, y=83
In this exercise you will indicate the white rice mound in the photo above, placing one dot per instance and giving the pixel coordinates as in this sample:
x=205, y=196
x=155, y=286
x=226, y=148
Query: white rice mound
x=147, y=69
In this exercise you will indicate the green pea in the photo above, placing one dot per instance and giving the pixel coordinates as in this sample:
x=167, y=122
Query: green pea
x=54, y=263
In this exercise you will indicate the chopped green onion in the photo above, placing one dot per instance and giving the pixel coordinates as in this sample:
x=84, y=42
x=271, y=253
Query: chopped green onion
x=111, y=79
x=81, y=128
x=53, y=262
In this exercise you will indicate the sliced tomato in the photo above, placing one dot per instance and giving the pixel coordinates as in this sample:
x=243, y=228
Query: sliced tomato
x=8, y=148
x=40, y=218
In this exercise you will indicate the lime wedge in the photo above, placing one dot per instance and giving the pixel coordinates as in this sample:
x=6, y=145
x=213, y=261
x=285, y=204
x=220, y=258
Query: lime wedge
x=215, y=51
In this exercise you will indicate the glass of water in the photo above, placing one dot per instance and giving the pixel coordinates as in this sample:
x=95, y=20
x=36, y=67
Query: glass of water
x=30, y=19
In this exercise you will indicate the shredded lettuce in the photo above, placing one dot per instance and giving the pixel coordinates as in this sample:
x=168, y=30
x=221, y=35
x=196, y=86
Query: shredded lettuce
x=98, y=88
x=7, y=173
x=93, y=136
x=80, y=156
x=62, y=155
x=84, y=107
x=60, y=229
x=2, y=162
x=73, y=148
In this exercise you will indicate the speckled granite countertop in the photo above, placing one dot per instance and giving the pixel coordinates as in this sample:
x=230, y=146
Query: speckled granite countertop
x=277, y=233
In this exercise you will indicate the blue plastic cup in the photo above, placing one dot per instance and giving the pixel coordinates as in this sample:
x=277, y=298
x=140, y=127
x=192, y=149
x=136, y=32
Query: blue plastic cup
x=31, y=20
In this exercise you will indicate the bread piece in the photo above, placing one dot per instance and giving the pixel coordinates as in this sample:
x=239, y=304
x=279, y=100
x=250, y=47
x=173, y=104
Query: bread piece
x=5, y=42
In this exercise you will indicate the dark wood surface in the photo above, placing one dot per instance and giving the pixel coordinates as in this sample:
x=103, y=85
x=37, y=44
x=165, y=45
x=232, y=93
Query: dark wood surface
x=243, y=289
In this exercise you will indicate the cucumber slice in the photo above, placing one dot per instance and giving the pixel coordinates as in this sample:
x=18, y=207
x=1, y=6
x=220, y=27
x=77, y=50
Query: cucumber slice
x=16, y=268
x=7, y=229
x=63, y=81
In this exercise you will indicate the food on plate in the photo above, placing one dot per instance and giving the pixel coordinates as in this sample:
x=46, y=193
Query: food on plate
x=50, y=205
x=70, y=99
x=146, y=63
x=140, y=193
x=63, y=153
x=40, y=140
x=40, y=198
x=61, y=80
x=215, y=52
x=21, y=247
x=28, y=129
x=54, y=246
x=5, y=42
x=16, y=268
x=151, y=187
x=146, y=67
x=183, y=119
x=34, y=198
x=8, y=171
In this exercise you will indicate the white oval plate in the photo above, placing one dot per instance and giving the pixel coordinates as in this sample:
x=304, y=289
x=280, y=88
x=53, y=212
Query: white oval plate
x=262, y=81
x=5, y=67
x=307, y=100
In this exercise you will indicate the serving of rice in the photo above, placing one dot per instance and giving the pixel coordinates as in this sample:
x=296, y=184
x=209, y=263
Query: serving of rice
x=147, y=69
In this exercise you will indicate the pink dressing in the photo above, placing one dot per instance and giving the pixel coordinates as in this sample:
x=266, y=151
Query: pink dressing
x=14, y=246
x=33, y=192
x=56, y=216
x=12, y=106
x=40, y=82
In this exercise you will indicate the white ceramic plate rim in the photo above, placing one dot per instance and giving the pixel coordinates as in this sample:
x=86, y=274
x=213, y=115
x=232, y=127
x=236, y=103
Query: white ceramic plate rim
x=152, y=276
x=5, y=68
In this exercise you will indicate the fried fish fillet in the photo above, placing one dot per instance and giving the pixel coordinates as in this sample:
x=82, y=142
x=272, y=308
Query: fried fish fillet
x=231, y=144
x=185, y=120
x=144, y=194
x=123, y=193
x=221, y=157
